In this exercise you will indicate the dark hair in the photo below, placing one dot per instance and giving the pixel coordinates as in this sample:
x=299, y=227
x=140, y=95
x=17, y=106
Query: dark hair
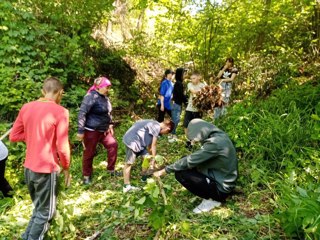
x=179, y=74
x=166, y=73
x=170, y=125
x=231, y=60
x=52, y=85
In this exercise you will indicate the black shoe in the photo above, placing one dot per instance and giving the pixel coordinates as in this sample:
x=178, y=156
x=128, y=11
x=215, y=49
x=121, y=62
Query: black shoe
x=115, y=173
x=6, y=189
x=144, y=178
x=188, y=145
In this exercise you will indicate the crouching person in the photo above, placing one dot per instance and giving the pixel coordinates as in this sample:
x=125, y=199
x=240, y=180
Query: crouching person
x=141, y=136
x=43, y=126
x=210, y=172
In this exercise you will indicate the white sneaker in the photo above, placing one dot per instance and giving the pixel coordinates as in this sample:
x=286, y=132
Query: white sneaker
x=130, y=188
x=173, y=139
x=206, y=206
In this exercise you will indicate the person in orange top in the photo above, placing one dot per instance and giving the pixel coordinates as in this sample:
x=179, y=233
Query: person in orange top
x=43, y=126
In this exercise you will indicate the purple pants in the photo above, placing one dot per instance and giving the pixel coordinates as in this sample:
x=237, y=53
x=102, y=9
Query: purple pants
x=91, y=140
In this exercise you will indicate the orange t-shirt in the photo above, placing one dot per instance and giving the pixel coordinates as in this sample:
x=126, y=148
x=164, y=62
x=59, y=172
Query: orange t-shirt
x=43, y=126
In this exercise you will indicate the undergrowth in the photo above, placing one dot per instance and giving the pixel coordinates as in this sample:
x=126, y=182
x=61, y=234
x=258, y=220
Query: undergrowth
x=277, y=141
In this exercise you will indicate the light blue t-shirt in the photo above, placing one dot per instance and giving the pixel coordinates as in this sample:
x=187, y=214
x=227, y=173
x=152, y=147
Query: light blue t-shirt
x=166, y=89
x=140, y=135
x=3, y=151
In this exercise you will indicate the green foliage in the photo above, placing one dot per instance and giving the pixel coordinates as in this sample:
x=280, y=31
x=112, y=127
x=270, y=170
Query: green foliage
x=300, y=217
x=155, y=201
x=275, y=127
x=41, y=39
x=277, y=140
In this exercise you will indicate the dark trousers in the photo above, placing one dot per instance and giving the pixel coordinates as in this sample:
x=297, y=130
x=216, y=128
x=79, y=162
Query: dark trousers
x=5, y=187
x=43, y=190
x=91, y=140
x=190, y=116
x=198, y=184
x=161, y=114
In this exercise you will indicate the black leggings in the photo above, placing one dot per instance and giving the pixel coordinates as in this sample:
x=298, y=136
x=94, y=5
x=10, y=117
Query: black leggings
x=5, y=187
x=197, y=183
x=161, y=114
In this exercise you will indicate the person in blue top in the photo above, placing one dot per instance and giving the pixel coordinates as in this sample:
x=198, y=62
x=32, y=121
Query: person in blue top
x=165, y=93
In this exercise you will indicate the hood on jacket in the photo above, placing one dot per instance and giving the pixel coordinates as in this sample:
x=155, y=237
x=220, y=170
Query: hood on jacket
x=200, y=130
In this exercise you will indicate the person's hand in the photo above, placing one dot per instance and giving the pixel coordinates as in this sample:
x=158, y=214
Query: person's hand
x=162, y=108
x=221, y=81
x=67, y=177
x=160, y=173
x=111, y=130
x=80, y=136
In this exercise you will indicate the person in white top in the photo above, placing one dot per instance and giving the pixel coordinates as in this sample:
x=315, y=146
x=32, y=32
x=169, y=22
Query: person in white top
x=5, y=187
x=192, y=112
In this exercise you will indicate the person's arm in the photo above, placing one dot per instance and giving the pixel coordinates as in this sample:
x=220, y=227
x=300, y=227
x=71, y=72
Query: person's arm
x=153, y=150
x=207, y=152
x=220, y=74
x=17, y=133
x=222, y=70
x=161, y=103
x=62, y=142
x=111, y=129
x=189, y=89
x=85, y=107
x=233, y=76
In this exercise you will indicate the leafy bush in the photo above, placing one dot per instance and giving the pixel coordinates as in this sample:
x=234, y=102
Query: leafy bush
x=278, y=142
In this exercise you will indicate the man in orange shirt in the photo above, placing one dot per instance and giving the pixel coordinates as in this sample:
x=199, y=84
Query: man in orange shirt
x=43, y=126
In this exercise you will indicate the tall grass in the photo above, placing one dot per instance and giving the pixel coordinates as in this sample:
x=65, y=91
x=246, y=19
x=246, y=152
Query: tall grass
x=278, y=150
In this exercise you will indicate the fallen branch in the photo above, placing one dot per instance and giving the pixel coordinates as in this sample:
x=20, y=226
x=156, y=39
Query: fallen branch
x=156, y=237
x=163, y=194
x=5, y=135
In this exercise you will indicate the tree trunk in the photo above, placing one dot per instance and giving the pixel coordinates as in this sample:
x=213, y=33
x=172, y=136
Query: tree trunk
x=141, y=20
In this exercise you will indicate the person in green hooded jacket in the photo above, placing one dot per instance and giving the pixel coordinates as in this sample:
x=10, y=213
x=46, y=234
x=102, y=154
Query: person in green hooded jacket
x=212, y=171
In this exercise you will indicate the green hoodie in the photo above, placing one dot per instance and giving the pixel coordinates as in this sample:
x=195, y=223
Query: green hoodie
x=216, y=159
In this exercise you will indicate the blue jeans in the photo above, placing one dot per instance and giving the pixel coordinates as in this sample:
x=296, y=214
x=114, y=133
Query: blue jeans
x=219, y=112
x=175, y=115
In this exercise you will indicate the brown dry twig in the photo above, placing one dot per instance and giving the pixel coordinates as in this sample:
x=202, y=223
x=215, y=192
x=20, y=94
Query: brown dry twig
x=208, y=98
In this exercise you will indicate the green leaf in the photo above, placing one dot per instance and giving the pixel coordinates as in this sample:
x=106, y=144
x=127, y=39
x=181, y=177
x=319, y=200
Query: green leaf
x=302, y=192
x=141, y=200
x=156, y=192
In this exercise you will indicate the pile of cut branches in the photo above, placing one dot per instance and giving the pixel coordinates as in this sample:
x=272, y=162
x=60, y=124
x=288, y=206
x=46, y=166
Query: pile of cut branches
x=208, y=98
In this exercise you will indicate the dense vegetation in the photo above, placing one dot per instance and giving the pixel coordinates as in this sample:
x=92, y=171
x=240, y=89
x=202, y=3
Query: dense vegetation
x=274, y=120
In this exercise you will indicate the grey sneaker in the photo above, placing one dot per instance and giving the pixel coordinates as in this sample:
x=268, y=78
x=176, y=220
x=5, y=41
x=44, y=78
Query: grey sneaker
x=130, y=188
x=206, y=205
x=86, y=180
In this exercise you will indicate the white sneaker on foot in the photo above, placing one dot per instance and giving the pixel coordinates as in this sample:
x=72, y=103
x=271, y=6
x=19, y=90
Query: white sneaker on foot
x=206, y=205
x=130, y=188
x=173, y=139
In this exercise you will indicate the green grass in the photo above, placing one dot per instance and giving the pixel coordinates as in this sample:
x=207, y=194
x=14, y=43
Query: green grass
x=103, y=207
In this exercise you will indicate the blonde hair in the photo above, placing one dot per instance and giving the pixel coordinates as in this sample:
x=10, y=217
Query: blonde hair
x=52, y=85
